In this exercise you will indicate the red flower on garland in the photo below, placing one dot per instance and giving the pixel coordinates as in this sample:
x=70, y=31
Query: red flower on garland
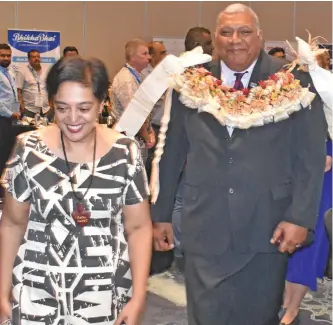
x=274, y=77
x=291, y=77
x=262, y=84
x=246, y=91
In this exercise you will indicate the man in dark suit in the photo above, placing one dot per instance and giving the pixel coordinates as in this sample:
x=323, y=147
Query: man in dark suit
x=250, y=197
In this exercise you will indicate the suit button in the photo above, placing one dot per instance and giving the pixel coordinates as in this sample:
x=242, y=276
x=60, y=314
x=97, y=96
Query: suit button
x=231, y=160
x=231, y=191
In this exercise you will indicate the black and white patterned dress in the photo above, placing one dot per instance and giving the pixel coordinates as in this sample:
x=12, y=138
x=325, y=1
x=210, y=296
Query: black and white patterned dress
x=65, y=273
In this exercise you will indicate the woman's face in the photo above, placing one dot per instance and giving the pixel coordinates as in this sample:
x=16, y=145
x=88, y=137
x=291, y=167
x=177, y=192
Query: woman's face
x=76, y=110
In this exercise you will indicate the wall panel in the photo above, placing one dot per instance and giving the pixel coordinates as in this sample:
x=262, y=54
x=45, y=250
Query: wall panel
x=316, y=16
x=7, y=20
x=172, y=19
x=276, y=19
x=109, y=25
x=66, y=17
x=102, y=28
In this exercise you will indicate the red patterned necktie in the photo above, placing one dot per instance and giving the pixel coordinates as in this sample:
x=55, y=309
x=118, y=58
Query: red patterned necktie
x=238, y=83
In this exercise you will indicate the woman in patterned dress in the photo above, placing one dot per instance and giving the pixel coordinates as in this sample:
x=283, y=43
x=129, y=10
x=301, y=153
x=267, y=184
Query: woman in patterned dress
x=75, y=229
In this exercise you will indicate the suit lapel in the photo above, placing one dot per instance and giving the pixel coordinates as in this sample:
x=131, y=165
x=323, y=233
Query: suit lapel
x=261, y=69
x=215, y=68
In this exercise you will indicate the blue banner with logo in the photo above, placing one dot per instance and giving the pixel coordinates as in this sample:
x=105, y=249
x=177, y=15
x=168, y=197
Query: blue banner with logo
x=22, y=41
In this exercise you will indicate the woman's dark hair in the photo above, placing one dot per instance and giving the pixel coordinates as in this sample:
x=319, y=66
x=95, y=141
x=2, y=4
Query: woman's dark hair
x=90, y=73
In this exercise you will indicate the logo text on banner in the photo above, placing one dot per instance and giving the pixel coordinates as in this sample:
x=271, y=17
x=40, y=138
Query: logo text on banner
x=23, y=41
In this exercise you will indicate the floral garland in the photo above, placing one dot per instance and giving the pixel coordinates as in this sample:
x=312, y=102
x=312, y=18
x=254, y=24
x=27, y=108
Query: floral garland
x=270, y=101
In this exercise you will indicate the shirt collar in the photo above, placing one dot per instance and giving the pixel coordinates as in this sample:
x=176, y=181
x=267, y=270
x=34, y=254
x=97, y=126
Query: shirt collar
x=227, y=70
x=32, y=69
x=6, y=70
x=136, y=71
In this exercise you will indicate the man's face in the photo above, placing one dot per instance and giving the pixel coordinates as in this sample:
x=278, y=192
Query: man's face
x=141, y=57
x=324, y=60
x=238, y=40
x=5, y=58
x=206, y=43
x=34, y=59
x=70, y=54
x=159, y=54
x=280, y=55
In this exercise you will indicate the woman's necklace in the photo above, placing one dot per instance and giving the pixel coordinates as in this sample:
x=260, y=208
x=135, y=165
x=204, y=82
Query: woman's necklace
x=80, y=214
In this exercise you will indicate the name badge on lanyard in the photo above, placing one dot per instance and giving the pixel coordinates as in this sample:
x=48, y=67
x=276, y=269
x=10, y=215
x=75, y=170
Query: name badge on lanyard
x=39, y=98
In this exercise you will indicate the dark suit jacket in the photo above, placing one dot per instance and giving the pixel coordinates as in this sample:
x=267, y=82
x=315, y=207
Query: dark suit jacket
x=238, y=188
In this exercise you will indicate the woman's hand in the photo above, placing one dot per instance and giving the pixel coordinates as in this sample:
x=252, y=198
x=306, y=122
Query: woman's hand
x=131, y=313
x=328, y=164
x=5, y=310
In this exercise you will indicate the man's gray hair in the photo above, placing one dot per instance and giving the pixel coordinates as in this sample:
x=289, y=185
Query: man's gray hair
x=132, y=46
x=236, y=8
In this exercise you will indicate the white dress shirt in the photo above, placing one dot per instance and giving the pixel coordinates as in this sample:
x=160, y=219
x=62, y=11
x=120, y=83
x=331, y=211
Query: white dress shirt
x=228, y=77
x=26, y=81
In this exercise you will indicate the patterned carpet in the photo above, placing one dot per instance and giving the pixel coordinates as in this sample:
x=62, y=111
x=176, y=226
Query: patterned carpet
x=318, y=305
x=167, y=302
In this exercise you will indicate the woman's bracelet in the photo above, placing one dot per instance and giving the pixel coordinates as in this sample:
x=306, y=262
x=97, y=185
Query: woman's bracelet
x=8, y=321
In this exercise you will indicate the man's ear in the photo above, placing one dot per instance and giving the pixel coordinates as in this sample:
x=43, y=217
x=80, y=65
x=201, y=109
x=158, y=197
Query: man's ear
x=260, y=34
x=196, y=44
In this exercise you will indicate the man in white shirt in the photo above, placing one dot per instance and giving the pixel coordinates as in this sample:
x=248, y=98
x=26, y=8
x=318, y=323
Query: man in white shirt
x=31, y=86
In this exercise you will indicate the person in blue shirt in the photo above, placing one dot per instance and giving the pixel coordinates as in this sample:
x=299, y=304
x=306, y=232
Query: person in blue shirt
x=9, y=104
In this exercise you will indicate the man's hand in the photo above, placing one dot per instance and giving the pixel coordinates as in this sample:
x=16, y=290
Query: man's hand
x=289, y=236
x=16, y=116
x=163, y=236
x=328, y=164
